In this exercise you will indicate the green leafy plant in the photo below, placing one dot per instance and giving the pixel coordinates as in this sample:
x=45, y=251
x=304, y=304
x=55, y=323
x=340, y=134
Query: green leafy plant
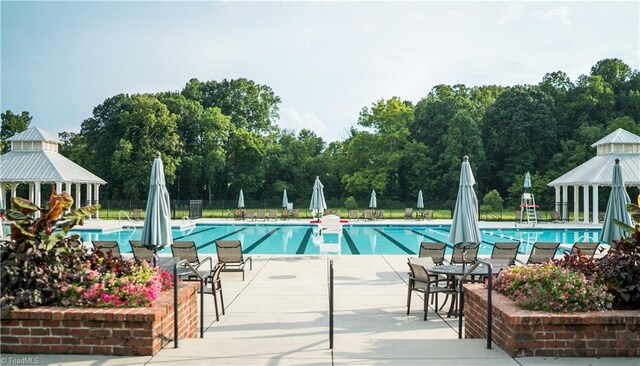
x=548, y=287
x=492, y=200
x=350, y=203
x=39, y=256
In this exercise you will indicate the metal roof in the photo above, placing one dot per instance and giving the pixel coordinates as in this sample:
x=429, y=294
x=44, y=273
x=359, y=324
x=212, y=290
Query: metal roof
x=618, y=136
x=43, y=166
x=33, y=134
x=599, y=170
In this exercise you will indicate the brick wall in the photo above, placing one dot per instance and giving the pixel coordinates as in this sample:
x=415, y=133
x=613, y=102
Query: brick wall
x=534, y=333
x=122, y=331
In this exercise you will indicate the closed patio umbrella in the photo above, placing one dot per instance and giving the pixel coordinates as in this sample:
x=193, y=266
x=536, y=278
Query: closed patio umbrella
x=156, y=231
x=241, y=199
x=420, y=203
x=527, y=181
x=464, y=226
x=285, y=199
x=616, y=208
x=373, y=201
x=318, y=204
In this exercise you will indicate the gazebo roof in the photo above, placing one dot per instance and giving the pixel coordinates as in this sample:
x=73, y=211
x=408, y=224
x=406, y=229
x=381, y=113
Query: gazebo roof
x=43, y=166
x=33, y=134
x=620, y=144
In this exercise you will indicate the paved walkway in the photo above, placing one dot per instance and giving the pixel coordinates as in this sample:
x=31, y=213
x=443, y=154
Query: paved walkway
x=279, y=316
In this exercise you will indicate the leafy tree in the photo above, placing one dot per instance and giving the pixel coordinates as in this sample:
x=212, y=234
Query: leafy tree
x=493, y=200
x=11, y=125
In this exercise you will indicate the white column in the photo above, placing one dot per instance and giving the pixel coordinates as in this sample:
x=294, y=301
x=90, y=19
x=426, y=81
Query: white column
x=97, y=187
x=576, y=206
x=89, y=189
x=595, y=204
x=557, y=188
x=3, y=198
x=14, y=187
x=78, y=195
x=37, y=197
x=565, y=203
x=67, y=186
x=585, y=203
x=31, y=193
x=59, y=187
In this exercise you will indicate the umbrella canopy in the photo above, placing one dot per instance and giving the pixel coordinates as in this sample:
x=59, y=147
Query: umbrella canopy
x=156, y=232
x=285, y=199
x=527, y=181
x=373, y=201
x=318, y=204
x=241, y=199
x=420, y=203
x=464, y=227
x=616, y=208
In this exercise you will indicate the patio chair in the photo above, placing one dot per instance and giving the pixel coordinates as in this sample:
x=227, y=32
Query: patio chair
x=379, y=214
x=470, y=251
x=542, y=252
x=284, y=214
x=353, y=215
x=587, y=248
x=108, y=247
x=237, y=214
x=518, y=214
x=433, y=250
x=272, y=215
x=505, y=250
x=260, y=215
x=408, y=213
x=428, y=215
x=189, y=251
x=367, y=215
x=249, y=215
x=216, y=286
x=137, y=214
x=141, y=253
x=556, y=217
x=295, y=214
x=230, y=254
x=420, y=281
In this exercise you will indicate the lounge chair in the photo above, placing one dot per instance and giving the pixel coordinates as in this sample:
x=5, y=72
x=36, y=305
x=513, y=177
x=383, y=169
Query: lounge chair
x=518, y=215
x=238, y=214
x=428, y=214
x=556, y=217
x=367, y=215
x=379, y=214
x=137, y=214
x=249, y=215
x=294, y=214
x=585, y=247
x=470, y=251
x=284, y=214
x=420, y=281
x=108, y=247
x=408, y=213
x=353, y=215
x=433, y=250
x=261, y=215
x=141, y=253
x=230, y=254
x=542, y=252
x=505, y=250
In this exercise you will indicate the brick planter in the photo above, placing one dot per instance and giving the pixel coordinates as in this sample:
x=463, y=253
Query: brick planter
x=124, y=331
x=535, y=333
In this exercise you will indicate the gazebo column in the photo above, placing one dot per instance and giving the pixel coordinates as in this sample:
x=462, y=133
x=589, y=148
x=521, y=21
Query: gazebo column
x=14, y=187
x=31, y=191
x=585, y=203
x=576, y=205
x=557, y=189
x=595, y=204
x=3, y=197
x=565, y=203
x=97, y=187
x=67, y=187
x=37, y=197
x=78, y=195
x=89, y=189
x=59, y=188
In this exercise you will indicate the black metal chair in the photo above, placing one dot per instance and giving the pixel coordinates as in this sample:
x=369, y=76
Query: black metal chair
x=506, y=250
x=587, y=248
x=542, y=252
x=141, y=253
x=230, y=254
x=420, y=281
x=108, y=247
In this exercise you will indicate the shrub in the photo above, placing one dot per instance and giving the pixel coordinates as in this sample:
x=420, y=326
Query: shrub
x=493, y=200
x=547, y=287
x=350, y=203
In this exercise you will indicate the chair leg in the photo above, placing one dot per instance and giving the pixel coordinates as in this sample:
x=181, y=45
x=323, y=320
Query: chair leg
x=221, y=297
x=426, y=306
x=409, y=297
x=215, y=303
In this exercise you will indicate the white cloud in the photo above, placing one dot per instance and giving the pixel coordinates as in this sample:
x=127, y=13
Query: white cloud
x=561, y=14
x=510, y=14
x=291, y=119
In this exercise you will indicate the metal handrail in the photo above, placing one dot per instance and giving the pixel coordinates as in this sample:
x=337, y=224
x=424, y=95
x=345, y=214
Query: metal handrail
x=331, y=304
x=125, y=215
x=489, y=291
x=184, y=264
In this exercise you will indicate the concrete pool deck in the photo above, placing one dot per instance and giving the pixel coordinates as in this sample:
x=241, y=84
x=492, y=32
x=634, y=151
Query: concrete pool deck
x=279, y=316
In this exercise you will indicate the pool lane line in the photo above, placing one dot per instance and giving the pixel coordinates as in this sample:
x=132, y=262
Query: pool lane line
x=194, y=233
x=352, y=246
x=220, y=238
x=260, y=241
x=394, y=241
x=490, y=244
x=305, y=241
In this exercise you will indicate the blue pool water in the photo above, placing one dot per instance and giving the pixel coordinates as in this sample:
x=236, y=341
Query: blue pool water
x=357, y=239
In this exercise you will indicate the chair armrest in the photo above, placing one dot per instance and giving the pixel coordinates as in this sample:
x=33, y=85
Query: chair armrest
x=207, y=259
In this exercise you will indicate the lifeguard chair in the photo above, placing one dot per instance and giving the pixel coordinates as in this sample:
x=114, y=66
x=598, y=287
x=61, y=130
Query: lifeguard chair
x=528, y=208
x=330, y=227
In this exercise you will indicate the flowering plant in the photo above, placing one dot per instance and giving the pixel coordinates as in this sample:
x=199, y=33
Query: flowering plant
x=108, y=282
x=548, y=287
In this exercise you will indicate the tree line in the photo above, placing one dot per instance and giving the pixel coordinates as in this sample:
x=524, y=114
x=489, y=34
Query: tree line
x=217, y=137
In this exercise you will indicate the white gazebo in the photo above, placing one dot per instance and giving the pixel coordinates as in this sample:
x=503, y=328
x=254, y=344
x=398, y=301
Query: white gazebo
x=34, y=160
x=598, y=171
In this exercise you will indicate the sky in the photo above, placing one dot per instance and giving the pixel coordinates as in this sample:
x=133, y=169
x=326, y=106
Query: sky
x=326, y=60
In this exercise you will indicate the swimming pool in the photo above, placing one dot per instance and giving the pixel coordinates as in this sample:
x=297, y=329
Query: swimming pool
x=357, y=239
